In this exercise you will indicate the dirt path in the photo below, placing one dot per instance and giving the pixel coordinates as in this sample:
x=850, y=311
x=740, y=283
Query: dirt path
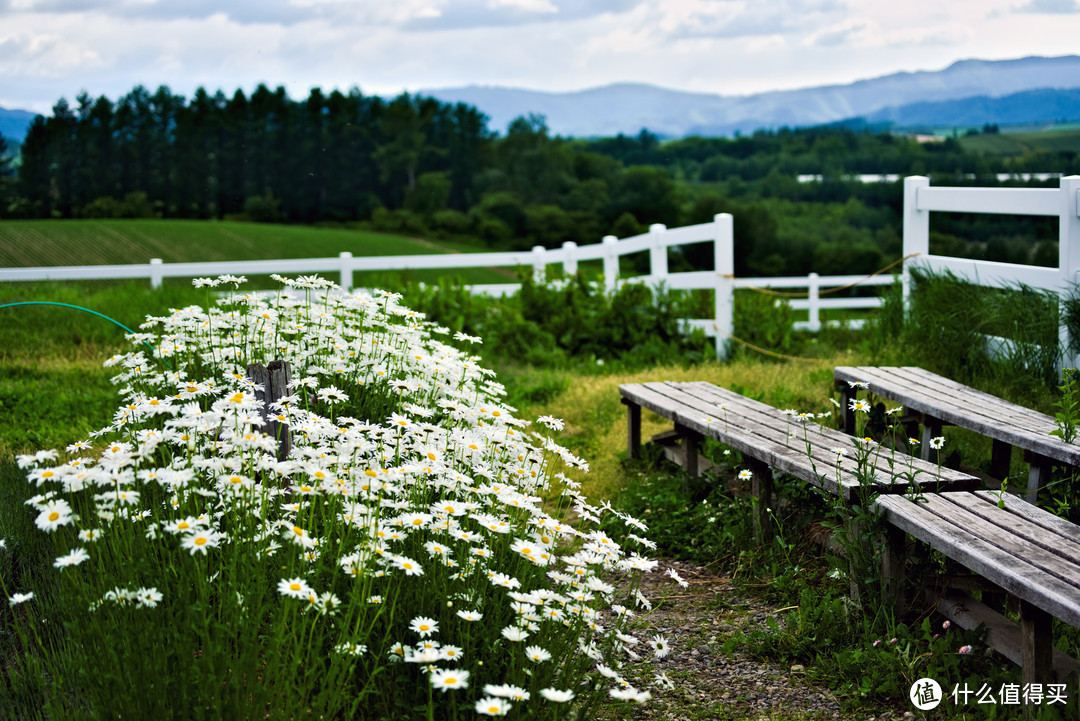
x=709, y=682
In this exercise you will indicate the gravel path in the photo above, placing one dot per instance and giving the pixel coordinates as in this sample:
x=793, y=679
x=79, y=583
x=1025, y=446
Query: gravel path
x=712, y=684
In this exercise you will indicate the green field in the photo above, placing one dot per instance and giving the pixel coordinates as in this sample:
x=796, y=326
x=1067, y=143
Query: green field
x=1053, y=141
x=28, y=243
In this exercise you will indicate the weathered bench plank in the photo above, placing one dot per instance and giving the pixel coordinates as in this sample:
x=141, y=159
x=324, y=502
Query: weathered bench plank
x=885, y=463
x=939, y=400
x=1018, y=567
x=973, y=409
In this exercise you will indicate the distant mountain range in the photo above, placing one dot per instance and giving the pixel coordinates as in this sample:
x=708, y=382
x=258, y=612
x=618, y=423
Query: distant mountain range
x=627, y=108
x=968, y=92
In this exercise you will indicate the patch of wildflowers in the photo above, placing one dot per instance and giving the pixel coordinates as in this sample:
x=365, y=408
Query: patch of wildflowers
x=399, y=448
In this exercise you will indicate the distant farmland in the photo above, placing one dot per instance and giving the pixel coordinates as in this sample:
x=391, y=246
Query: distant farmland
x=1053, y=141
x=101, y=242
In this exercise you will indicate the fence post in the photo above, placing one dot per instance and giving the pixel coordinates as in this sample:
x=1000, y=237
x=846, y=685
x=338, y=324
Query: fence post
x=814, y=298
x=539, y=266
x=346, y=270
x=657, y=253
x=155, y=272
x=916, y=228
x=569, y=265
x=1068, y=260
x=611, y=262
x=724, y=263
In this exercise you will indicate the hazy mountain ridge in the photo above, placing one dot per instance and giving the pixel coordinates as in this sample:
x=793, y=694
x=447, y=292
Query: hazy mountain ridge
x=627, y=108
x=1030, y=106
x=968, y=92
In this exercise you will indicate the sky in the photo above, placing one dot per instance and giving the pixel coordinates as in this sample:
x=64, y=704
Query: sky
x=58, y=48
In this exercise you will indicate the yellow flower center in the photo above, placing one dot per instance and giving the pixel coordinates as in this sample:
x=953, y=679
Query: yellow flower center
x=54, y=515
x=200, y=541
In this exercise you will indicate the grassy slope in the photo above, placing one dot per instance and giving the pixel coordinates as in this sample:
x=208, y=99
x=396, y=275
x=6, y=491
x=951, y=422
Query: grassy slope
x=96, y=242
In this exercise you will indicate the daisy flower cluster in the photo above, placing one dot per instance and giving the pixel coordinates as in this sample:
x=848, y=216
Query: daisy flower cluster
x=382, y=519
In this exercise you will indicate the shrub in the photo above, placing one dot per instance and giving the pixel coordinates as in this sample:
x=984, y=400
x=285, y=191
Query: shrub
x=409, y=556
x=263, y=209
x=134, y=205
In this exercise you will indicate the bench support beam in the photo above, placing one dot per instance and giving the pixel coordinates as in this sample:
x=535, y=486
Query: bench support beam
x=1038, y=476
x=633, y=429
x=892, y=569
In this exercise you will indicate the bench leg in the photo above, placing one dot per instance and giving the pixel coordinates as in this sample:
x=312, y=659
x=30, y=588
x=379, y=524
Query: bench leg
x=1037, y=644
x=762, y=489
x=931, y=429
x=892, y=569
x=691, y=442
x=1000, y=456
x=1038, y=476
x=633, y=429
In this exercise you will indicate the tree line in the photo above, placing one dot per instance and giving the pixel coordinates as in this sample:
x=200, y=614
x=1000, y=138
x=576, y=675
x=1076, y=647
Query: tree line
x=416, y=165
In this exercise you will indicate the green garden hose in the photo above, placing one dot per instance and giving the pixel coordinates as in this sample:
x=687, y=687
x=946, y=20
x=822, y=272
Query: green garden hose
x=79, y=307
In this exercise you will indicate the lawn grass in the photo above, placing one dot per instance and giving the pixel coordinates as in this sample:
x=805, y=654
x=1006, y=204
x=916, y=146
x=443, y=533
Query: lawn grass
x=32, y=243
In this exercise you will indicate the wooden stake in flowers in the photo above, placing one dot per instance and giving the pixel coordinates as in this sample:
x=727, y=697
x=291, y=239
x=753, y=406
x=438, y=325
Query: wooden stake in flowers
x=274, y=378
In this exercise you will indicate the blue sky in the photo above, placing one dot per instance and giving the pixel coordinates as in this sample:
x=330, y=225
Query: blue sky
x=57, y=48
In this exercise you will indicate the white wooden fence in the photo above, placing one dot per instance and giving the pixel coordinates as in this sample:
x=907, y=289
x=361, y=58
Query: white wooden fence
x=657, y=241
x=921, y=199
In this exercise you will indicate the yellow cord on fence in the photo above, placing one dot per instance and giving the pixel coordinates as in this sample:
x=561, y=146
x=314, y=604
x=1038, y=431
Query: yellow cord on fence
x=773, y=353
x=782, y=294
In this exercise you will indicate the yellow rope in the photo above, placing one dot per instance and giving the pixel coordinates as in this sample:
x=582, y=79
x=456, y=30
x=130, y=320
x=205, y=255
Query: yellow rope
x=782, y=294
x=773, y=353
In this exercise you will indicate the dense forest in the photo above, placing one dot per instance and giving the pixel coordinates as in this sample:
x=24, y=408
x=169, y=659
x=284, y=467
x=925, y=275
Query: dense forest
x=419, y=166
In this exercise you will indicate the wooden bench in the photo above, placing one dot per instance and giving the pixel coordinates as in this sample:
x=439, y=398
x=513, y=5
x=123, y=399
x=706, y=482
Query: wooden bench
x=1020, y=549
x=770, y=439
x=934, y=401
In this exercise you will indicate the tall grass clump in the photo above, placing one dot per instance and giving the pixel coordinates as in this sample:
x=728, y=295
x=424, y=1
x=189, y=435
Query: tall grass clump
x=1007, y=336
x=418, y=552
